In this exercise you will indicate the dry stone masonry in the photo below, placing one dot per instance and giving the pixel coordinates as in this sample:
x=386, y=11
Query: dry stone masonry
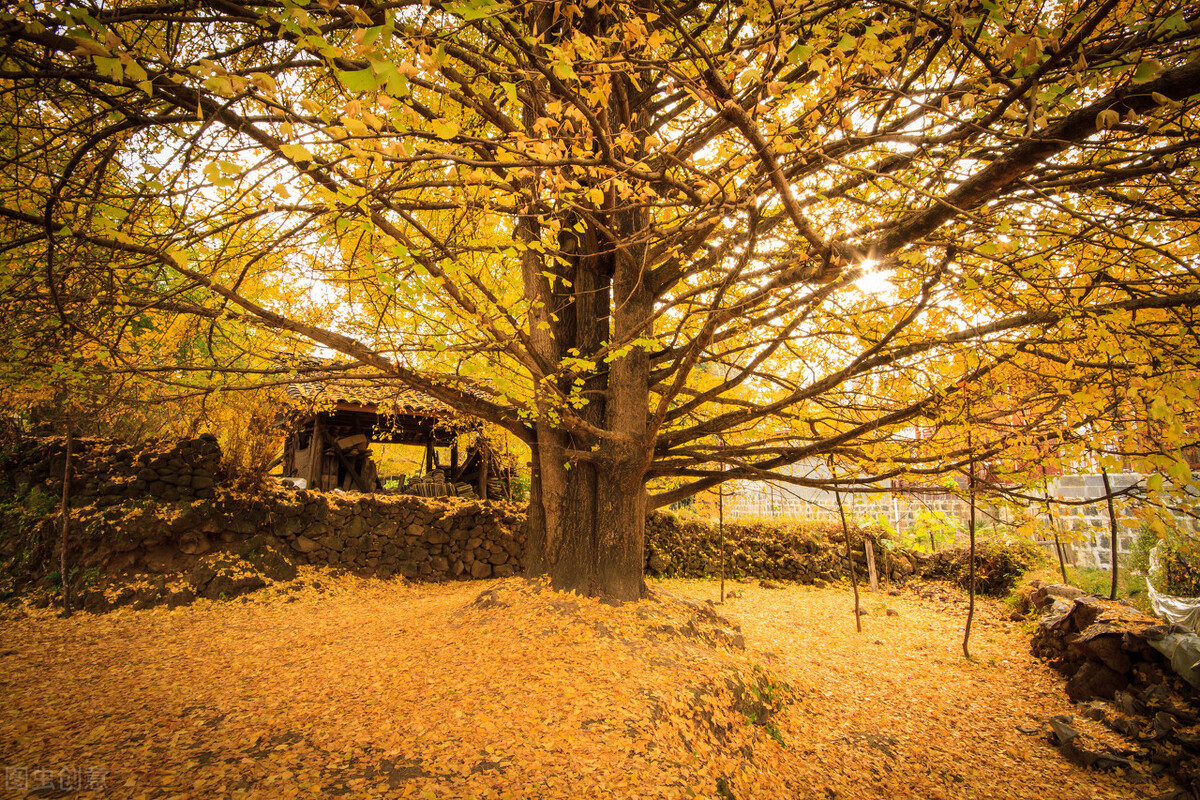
x=691, y=548
x=418, y=538
x=165, y=512
x=106, y=472
x=1133, y=673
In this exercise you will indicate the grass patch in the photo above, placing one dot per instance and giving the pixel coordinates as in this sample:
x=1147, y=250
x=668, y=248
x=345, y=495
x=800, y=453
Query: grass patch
x=1098, y=581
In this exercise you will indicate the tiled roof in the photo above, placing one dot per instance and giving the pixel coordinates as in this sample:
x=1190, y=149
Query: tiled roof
x=372, y=394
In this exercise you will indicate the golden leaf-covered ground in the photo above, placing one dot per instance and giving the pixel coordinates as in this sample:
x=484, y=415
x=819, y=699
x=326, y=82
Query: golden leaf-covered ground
x=366, y=688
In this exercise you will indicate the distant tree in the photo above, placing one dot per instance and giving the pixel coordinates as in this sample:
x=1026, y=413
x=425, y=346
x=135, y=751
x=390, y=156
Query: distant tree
x=695, y=240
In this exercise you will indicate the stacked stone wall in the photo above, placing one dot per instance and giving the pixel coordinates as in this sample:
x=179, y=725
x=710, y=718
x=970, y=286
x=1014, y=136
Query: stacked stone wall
x=167, y=509
x=162, y=507
x=419, y=538
x=690, y=547
x=106, y=472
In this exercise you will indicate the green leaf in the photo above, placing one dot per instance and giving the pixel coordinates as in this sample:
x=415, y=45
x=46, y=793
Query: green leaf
x=510, y=91
x=359, y=80
x=1147, y=70
x=109, y=66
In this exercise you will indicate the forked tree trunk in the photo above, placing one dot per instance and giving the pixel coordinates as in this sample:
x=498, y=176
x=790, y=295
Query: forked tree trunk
x=587, y=512
x=587, y=531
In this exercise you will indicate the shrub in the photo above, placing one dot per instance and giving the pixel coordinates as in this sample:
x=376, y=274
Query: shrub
x=1178, y=559
x=998, y=566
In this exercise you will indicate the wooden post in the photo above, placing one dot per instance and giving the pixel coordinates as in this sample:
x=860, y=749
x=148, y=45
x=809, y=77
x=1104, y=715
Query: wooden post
x=429, y=453
x=872, y=575
x=483, y=471
x=849, y=561
x=358, y=481
x=1112, y=528
x=66, y=527
x=316, y=455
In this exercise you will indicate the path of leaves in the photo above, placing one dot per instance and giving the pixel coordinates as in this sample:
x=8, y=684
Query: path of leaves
x=362, y=688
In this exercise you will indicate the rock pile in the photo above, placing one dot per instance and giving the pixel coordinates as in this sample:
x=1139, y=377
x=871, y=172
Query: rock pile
x=221, y=575
x=419, y=538
x=691, y=548
x=1113, y=656
x=106, y=472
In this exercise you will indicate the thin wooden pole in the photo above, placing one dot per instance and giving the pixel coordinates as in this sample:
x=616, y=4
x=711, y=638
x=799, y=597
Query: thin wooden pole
x=1112, y=528
x=872, y=573
x=66, y=526
x=971, y=533
x=850, y=561
x=721, y=529
x=1058, y=548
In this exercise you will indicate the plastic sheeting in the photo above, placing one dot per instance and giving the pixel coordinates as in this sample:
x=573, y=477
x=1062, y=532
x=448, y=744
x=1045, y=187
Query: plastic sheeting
x=1183, y=611
x=1182, y=650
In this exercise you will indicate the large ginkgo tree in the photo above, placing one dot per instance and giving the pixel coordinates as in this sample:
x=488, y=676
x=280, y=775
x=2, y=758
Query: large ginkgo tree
x=665, y=244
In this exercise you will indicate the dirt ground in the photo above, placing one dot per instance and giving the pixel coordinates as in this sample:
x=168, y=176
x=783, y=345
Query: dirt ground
x=346, y=687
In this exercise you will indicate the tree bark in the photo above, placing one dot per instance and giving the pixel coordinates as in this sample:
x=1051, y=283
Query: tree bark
x=586, y=527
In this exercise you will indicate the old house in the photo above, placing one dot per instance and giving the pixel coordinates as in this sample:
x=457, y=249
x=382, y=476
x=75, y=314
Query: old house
x=333, y=425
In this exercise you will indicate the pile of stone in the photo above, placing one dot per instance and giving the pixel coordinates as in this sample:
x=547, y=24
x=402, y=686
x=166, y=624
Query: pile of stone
x=222, y=575
x=107, y=472
x=1118, y=664
x=810, y=554
x=418, y=538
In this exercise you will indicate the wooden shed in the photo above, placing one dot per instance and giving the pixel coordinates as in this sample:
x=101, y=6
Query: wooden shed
x=333, y=423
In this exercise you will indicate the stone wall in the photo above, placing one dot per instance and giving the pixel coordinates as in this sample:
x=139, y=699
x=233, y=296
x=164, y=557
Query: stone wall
x=167, y=509
x=773, y=500
x=106, y=472
x=163, y=507
x=1084, y=527
x=690, y=547
x=419, y=538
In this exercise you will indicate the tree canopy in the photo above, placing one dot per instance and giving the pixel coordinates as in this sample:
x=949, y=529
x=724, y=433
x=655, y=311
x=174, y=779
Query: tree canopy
x=664, y=244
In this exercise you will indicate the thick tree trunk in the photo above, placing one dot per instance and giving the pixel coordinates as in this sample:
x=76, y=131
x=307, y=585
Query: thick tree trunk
x=587, y=512
x=621, y=536
x=586, y=528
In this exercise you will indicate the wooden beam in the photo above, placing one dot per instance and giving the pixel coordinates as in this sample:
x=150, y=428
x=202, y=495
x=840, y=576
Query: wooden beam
x=362, y=485
x=483, y=470
x=316, y=455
